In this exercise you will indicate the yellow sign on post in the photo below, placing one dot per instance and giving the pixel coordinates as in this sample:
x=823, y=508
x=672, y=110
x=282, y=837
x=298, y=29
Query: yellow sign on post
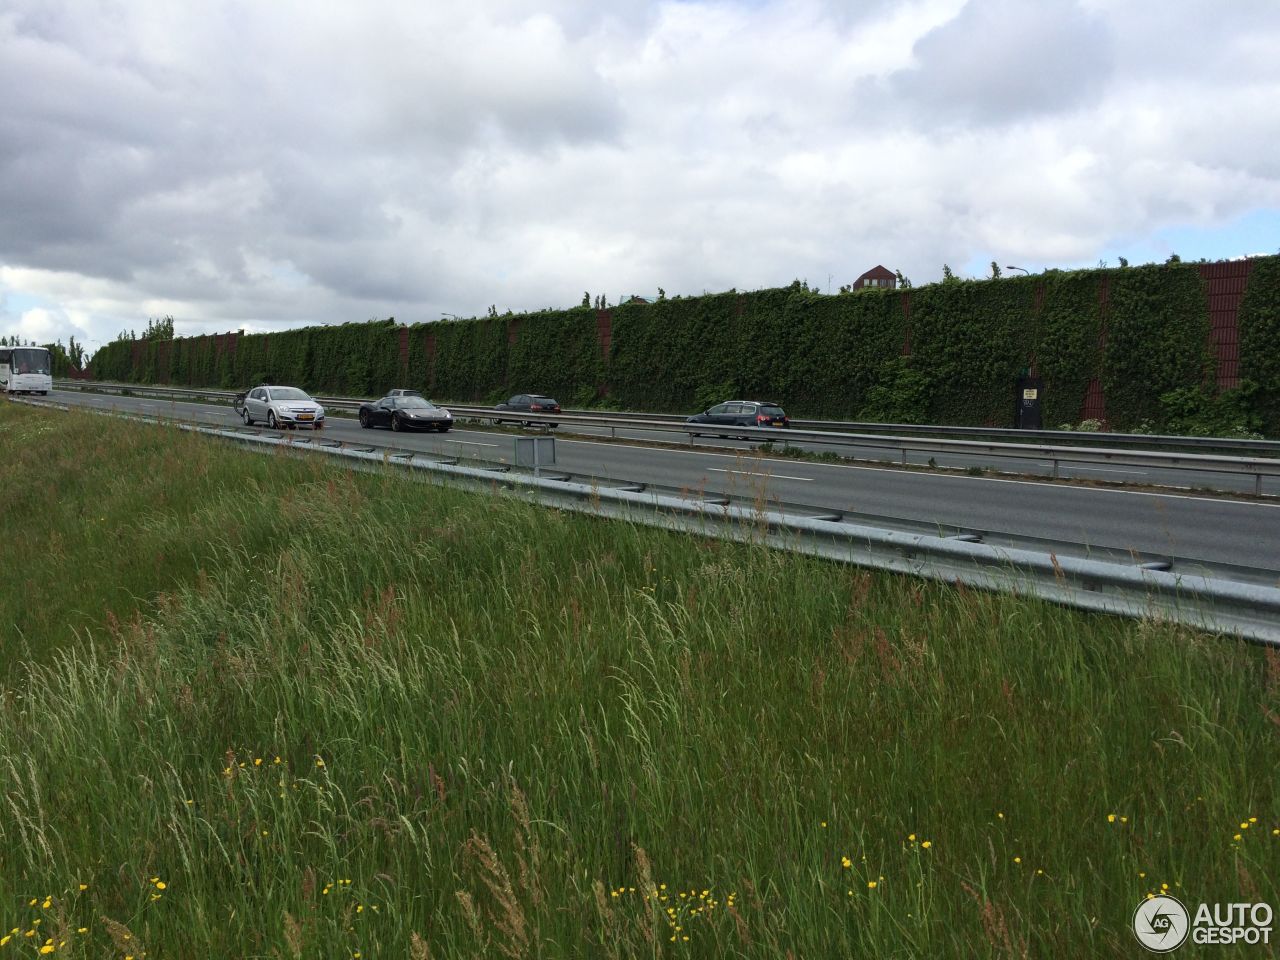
x=1030, y=394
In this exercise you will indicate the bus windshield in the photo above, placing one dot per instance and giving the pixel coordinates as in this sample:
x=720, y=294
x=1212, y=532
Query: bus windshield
x=29, y=360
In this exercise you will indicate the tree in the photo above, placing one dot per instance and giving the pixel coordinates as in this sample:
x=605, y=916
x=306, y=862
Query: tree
x=904, y=282
x=586, y=298
x=995, y=270
x=947, y=275
x=1123, y=262
x=75, y=353
x=160, y=328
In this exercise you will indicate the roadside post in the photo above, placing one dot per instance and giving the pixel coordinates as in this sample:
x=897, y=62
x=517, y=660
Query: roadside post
x=536, y=452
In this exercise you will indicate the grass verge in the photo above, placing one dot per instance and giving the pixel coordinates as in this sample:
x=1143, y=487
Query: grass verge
x=265, y=706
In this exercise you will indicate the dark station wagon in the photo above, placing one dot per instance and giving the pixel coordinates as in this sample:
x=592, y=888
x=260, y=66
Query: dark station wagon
x=742, y=413
x=527, y=403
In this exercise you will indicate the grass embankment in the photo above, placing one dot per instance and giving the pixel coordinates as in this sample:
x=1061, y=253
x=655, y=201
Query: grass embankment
x=262, y=706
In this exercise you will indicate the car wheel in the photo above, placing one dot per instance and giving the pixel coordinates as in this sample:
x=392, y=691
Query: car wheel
x=272, y=422
x=248, y=420
x=364, y=419
x=395, y=423
x=444, y=428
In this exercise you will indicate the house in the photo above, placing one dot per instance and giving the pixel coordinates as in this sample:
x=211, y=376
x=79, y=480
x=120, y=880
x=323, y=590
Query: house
x=877, y=276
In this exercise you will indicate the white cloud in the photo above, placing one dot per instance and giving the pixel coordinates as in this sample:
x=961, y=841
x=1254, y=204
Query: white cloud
x=266, y=165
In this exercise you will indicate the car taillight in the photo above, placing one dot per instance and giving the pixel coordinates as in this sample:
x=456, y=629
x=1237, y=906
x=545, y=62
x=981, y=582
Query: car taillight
x=761, y=418
x=536, y=406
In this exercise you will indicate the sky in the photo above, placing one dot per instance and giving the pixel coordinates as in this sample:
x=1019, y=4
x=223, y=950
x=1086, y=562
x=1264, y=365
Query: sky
x=259, y=166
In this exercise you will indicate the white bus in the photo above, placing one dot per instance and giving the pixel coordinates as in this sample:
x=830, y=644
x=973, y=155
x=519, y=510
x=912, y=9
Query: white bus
x=25, y=370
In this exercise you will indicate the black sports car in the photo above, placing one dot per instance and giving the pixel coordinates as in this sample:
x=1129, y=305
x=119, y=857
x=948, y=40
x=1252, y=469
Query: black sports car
x=405, y=413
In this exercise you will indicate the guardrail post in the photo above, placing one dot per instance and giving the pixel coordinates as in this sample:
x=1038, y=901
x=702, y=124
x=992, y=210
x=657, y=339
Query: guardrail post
x=1257, y=484
x=1055, y=469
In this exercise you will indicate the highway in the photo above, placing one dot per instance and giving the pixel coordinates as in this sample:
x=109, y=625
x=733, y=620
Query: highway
x=1236, y=538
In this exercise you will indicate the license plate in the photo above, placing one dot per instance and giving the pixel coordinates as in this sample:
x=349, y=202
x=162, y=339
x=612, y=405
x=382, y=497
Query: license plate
x=306, y=416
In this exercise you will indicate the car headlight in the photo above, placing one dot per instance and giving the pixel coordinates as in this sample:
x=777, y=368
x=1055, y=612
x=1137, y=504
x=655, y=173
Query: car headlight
x=446, y=413
x=319, y=411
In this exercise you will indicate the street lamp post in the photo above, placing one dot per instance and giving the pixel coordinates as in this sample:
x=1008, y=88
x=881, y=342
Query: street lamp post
x=1023, y=269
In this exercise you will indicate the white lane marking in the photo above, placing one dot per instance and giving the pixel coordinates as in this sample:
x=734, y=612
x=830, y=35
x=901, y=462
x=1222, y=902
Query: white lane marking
x=762, y=476
x=1090, y=469
x=472, y=443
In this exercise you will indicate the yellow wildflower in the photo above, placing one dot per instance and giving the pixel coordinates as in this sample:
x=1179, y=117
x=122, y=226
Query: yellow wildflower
x=871, y=884
x=927, y=844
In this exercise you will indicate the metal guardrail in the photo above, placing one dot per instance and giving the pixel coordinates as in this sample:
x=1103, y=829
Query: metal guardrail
x=1238, y=445
x=1222, y=606
x=1054, y=455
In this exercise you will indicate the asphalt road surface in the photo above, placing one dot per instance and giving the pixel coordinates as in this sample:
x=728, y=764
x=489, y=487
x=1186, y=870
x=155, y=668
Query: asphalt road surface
x=1225, y=536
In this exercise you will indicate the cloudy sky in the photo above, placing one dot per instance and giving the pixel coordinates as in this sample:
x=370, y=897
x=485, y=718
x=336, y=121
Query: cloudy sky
x=260, y=165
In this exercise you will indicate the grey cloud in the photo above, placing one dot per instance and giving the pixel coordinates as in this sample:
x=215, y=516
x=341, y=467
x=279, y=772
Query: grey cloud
x=1005, y=60
x=264, y=165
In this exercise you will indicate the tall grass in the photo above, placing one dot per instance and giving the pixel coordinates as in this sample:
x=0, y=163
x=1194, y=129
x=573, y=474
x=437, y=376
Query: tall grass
x=261, y=706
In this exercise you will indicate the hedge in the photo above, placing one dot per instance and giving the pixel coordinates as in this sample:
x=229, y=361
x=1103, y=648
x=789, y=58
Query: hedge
x=950, y=352
x=1260, y=341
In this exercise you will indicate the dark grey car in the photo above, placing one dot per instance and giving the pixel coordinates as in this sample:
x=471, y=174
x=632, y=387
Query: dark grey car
x=741, y=413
